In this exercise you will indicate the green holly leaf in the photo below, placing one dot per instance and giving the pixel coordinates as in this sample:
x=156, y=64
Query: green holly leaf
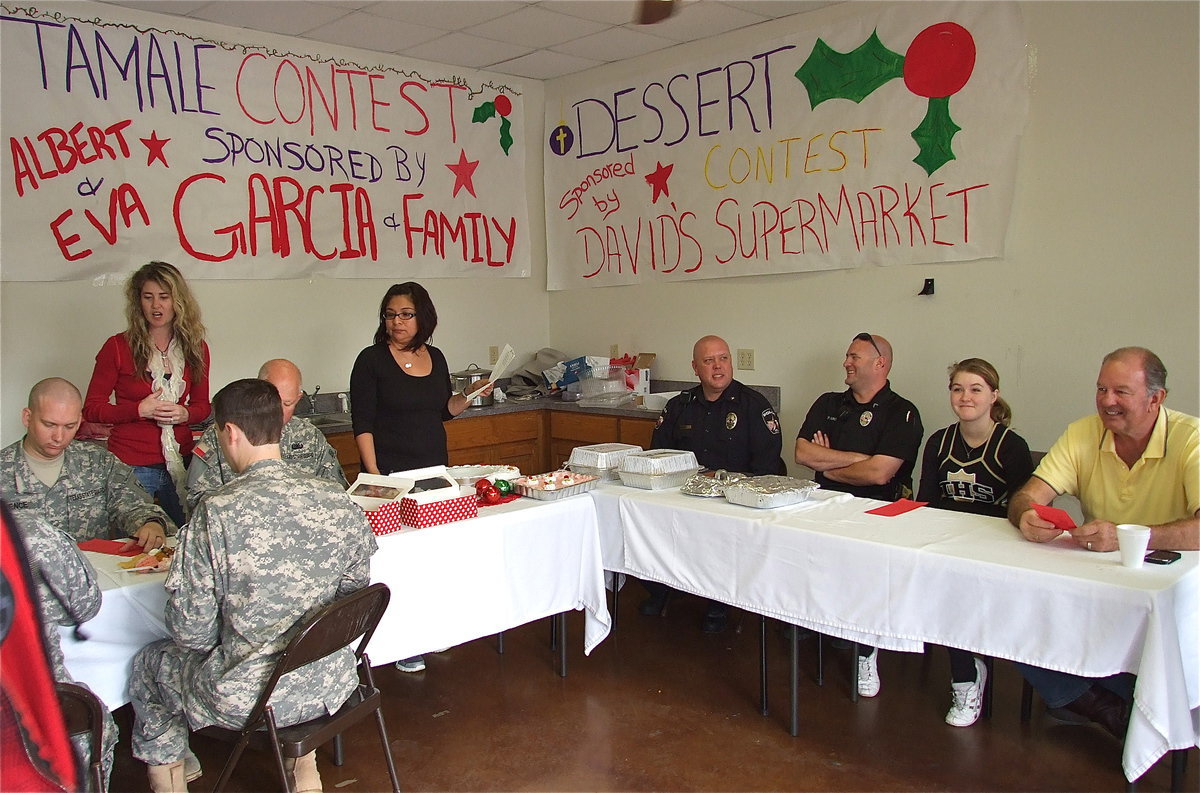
x=484, y=112
x=506, y=138
x=934, y=135
x=828, y=74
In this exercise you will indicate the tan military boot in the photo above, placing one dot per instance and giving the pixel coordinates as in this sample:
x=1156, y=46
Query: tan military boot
x=191, y=767
x=167, y=778
x=303, y=776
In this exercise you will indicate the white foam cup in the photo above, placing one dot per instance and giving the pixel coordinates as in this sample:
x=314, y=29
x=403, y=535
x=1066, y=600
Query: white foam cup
x=1133, y=540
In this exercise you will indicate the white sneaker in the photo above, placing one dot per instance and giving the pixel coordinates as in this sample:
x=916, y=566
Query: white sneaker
x=868, y=674
x=967, y=699
x=414, y=664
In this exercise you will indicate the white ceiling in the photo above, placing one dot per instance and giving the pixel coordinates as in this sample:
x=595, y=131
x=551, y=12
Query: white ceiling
x=526, y=38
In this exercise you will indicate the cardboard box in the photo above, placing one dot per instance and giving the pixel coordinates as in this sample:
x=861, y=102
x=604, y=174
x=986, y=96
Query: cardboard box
x=637, y=377
x=385, y=519
x=420, y=514
x=416, y=498
x=371, y=491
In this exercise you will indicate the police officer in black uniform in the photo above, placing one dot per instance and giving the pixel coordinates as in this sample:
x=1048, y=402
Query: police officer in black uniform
x=727, y=425
x=863, y=441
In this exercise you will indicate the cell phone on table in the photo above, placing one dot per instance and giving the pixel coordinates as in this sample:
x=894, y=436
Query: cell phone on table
x=1162, y=557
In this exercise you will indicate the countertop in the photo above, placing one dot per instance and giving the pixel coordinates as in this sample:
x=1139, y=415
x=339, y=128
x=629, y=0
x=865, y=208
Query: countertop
x=333, y=423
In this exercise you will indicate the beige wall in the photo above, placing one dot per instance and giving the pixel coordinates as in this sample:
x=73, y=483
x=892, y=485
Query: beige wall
x=1102, y=252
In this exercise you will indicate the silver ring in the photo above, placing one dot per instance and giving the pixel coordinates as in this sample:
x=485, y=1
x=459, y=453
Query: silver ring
x=1089, y=546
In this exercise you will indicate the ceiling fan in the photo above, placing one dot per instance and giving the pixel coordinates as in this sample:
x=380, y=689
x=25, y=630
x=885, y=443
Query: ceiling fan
x=651, y=11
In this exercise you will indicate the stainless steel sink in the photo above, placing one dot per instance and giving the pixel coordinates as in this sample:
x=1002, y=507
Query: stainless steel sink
x=329, y=419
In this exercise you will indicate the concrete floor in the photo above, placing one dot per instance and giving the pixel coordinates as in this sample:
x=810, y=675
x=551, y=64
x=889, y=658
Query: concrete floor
x=660, y=706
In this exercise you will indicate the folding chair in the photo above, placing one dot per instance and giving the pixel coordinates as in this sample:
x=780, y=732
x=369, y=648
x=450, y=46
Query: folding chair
x=83, y=712
x=334, y=627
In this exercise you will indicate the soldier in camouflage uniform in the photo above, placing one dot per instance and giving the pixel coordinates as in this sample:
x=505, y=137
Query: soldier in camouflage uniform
x=259, y=556
x=68, y=595
x=91, y=493
x=302, y=445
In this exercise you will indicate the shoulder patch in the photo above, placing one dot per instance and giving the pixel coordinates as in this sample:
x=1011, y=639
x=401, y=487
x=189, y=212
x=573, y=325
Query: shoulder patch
x=201, y=450
x=771, y=421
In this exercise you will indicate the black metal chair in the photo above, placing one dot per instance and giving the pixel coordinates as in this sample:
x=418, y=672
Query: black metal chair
x=336, y=626
x=83, y=713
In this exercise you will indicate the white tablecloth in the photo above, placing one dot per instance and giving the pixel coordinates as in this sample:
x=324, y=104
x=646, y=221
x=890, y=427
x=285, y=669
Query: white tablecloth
x=931, y=576
x=514, y=563
x=131, y=616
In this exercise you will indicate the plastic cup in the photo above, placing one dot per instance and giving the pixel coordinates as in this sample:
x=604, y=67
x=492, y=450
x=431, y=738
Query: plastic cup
x=1133, y=540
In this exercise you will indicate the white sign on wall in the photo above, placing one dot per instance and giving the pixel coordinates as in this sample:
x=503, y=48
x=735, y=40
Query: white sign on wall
x=235, y=159
x=888, y=136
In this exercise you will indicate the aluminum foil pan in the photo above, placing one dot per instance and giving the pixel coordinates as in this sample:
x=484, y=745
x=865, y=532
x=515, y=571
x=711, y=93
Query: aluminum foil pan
x=769, y=491
x=710, y=486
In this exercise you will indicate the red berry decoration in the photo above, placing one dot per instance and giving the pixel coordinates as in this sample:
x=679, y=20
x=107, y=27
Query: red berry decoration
x=939, y=61
x=503, y=105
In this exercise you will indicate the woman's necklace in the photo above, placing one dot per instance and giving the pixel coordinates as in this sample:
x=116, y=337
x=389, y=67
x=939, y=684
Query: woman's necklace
x=406, y=364
x=162, y=351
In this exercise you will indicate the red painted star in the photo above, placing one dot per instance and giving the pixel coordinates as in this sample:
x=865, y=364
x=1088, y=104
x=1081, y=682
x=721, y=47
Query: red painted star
x=463, y=170
x=658, y=180
x=154, y=146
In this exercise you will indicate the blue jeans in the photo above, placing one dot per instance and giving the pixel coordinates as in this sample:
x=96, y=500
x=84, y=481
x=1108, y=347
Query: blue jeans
x=1061, y=688
x=158, y=483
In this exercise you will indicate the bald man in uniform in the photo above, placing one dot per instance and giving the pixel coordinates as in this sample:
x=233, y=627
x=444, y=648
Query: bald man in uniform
x=78, y=487
x=302, y=445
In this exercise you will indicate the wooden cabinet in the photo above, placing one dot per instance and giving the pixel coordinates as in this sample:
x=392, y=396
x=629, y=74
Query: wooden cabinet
x=534, y=441
x=347, y=453
x=568, y=430
x=516, y=439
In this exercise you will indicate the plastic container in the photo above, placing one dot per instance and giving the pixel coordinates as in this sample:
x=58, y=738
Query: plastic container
x=598, y=380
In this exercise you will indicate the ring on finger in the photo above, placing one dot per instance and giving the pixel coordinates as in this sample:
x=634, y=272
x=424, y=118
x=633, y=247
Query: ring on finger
x=1089, y=546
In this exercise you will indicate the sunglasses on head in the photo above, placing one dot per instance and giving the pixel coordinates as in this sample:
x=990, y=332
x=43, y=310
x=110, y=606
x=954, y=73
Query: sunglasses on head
x=867, y=337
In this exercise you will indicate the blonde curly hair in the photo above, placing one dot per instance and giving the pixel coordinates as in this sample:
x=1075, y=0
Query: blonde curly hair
x=186, y=326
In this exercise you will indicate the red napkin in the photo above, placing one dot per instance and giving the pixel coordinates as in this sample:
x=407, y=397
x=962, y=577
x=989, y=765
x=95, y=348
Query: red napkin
x=112, y=547
x=897, y=508
x=1058, y=517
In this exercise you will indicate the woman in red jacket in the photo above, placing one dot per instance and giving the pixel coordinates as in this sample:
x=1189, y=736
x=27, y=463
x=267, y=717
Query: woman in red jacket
x=158, y=371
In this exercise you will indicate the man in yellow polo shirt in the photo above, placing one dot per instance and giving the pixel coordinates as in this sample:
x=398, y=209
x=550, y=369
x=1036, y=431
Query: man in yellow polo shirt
x=1135, y=461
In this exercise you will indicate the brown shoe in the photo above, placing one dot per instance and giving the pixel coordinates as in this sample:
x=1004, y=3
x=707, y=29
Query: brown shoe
x=1102, y=706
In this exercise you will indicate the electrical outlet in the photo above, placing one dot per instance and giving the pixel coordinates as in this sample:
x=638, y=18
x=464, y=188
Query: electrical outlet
x=745, y=360
x=614, y=351
x=493, y=354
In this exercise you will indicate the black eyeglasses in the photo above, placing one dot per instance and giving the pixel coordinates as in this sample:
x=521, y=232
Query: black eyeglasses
x=867, y=337
x=390, y=316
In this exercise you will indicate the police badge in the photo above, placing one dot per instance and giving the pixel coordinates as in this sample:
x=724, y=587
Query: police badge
x=865, y=418
x=730, y=420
